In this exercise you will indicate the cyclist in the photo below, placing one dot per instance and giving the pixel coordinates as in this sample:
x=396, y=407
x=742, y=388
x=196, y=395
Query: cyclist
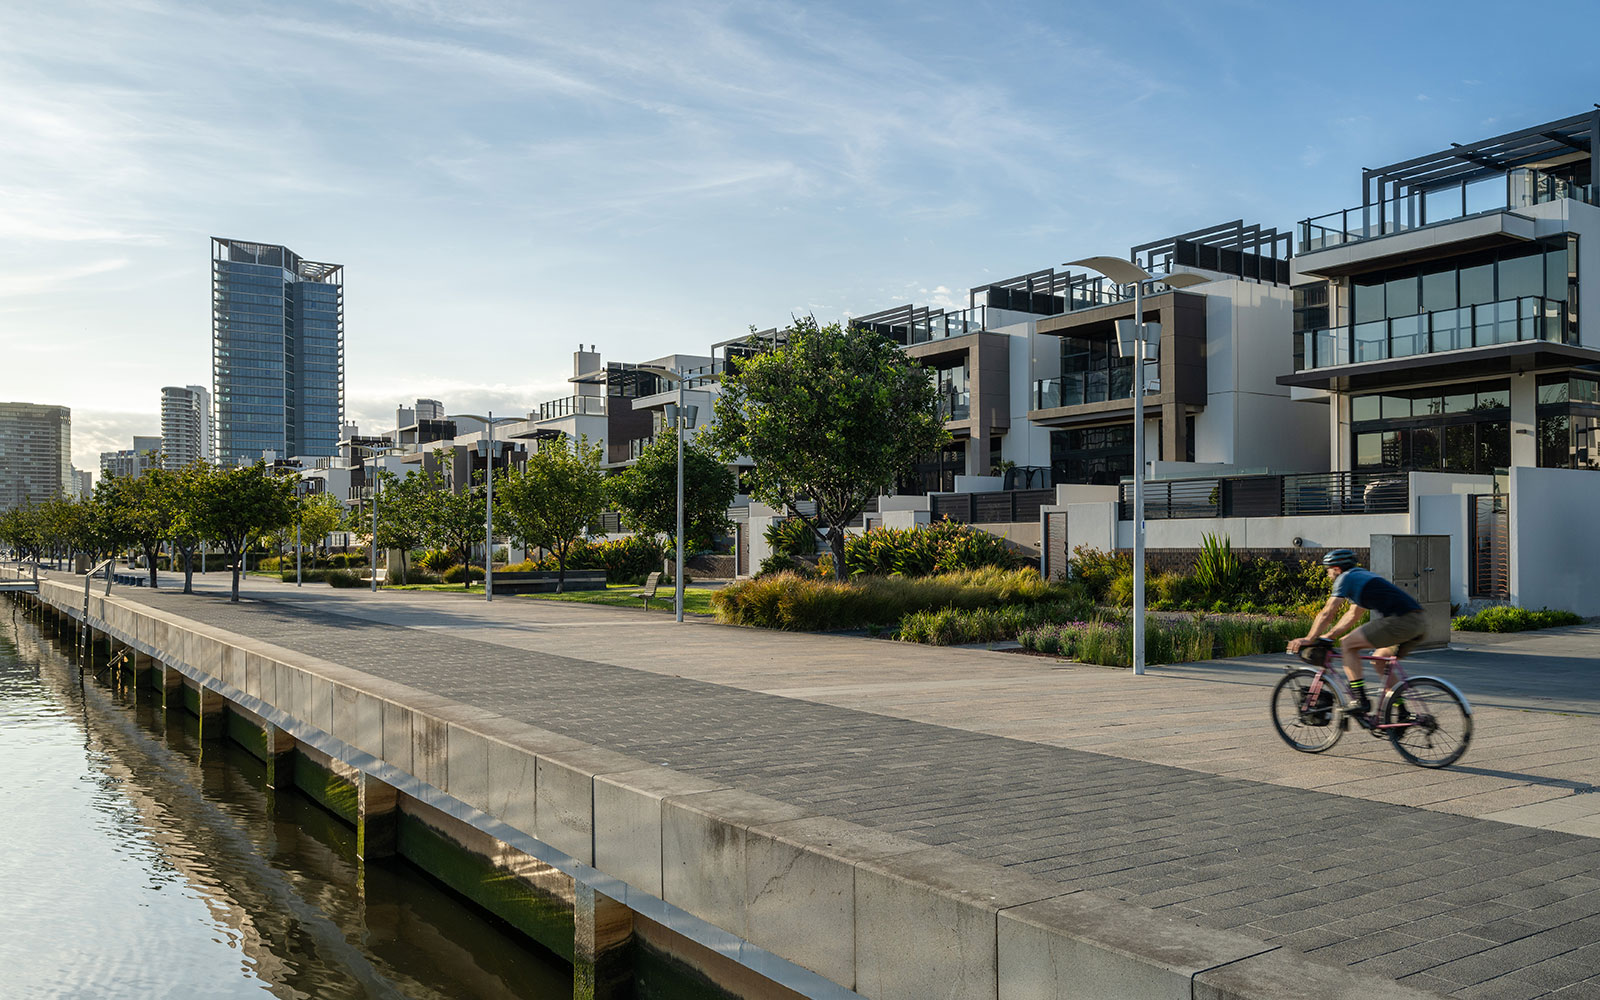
x=1396, y=627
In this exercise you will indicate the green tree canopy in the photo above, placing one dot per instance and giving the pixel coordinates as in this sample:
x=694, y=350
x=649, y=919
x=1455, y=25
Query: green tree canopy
x=189, y=489
x=829, y=417
x=239, y=504
x=402, y=514
x=142, y=509
x=455, y=519
x=646, y=494
x=551, y=501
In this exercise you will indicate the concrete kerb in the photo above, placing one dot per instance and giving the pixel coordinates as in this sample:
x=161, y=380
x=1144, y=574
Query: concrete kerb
x=814, y=903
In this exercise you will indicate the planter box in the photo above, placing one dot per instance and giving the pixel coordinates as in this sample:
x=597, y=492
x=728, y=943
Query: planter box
x=545, y=583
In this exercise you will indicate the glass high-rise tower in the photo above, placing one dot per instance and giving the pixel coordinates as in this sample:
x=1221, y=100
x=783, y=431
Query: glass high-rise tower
x=277, y=347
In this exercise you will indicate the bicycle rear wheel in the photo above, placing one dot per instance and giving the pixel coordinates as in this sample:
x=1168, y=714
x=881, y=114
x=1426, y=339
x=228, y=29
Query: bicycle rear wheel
x=1437, y=723
x=1310, y=726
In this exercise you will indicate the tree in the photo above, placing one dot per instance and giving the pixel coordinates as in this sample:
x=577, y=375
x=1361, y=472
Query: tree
x=319, y=514
x=551, y=501
x=455, y=519
x=143, y=510
x=190, y=488
x=239, y=504
x=402, y=514
x=23, y=528
x=829, y=417
x=647, y=493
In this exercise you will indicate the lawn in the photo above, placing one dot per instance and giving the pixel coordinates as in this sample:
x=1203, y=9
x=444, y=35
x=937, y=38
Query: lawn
x=696, y=600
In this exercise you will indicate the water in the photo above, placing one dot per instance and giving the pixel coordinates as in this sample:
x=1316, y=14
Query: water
x=138, y=864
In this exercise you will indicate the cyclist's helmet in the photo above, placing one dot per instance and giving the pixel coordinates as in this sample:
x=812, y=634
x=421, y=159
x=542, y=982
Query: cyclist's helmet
x=1342, y=558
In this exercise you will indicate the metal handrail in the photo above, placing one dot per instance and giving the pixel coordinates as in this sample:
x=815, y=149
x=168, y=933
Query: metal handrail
x=109, y=566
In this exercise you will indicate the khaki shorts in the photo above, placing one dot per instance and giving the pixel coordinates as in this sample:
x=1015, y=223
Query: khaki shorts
x=1401, y=631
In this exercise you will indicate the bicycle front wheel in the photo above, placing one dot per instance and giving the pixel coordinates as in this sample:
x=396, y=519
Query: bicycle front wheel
x=1310, y=724
x=1433, y=724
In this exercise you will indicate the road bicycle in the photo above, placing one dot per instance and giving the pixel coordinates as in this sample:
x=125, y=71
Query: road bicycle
x=1426, y=719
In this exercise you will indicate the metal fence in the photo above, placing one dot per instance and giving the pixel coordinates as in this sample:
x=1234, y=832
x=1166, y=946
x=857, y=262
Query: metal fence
x=991, y=508
x=1312, y=494
x=1490, y=558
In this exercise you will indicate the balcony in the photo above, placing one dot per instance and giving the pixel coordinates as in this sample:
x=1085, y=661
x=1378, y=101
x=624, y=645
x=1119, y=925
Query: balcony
x=1083, y=387
x=955, y=405
x=570, y=406
x=1422, y=209
x=1527, y=318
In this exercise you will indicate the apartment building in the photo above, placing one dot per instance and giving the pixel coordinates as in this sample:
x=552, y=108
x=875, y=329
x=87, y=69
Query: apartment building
x=35, y=453
x=278, y=351
x=1439, y=325
x=136, y=461
x=187, y=434
x=615, y=404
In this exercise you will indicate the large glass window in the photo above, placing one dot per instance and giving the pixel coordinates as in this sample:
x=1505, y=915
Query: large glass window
x=1569, y=421
x=1458, y=428
x=1097, y=455
x=1093, y=371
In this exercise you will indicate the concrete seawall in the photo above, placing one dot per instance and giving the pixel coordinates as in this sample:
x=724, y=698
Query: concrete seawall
x=755, y=895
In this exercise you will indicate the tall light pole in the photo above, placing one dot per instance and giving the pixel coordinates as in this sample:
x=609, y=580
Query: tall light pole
x=1125, y=272
x=681, y=418
x=488, y=421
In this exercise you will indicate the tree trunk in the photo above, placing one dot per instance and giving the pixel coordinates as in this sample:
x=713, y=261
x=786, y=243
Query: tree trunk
x=561, y=570
x=836, y=546
x=150, y=557
x=238, y=567
x=188, y=571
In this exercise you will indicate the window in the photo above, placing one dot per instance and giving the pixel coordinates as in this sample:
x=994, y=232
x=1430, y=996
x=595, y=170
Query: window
x=1522, y=275
x=1439, y=288
x=1460, y=428
x=1477, y=284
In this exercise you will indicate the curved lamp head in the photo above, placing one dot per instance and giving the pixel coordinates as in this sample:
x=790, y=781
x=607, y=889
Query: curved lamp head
x=1121, y=271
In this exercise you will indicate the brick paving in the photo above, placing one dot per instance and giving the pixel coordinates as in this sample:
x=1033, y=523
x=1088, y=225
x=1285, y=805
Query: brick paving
x=1463, y=906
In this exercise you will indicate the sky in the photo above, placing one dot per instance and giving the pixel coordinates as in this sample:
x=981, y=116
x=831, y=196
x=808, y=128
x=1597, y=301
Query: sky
x=504, y=181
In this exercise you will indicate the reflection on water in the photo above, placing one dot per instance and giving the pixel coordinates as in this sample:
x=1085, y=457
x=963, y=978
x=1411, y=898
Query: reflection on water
x=135, y=865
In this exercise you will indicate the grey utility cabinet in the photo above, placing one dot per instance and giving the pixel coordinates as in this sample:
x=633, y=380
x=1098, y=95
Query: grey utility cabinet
x=1420, y=566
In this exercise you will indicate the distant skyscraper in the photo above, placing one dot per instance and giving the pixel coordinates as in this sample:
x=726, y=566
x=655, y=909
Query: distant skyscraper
x=35, y=453
x=277, y=324
x=82, y=483
x=186, y=435
x=430, y=409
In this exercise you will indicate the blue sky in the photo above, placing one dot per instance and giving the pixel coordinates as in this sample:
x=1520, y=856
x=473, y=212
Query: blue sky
x=504, y=181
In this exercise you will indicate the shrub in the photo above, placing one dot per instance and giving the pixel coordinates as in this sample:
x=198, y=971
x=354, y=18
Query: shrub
x=344, y=578
x=1120, y=593
x=1503, y=618
x=791, y=537
x=1096, y=570
x=1216, y=570
x=942, y=547
x=413, y=575
x=458, y=572
x=270, y=564
x=949, y=627
x=626, y=560
x=800, y=603
x=437, y=560
x=307, y=575
x=1110, y=643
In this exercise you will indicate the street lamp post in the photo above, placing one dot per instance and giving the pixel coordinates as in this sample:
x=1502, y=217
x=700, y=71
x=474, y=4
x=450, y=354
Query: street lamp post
x=681, y=418
x=489, y=422
x=1125, y=272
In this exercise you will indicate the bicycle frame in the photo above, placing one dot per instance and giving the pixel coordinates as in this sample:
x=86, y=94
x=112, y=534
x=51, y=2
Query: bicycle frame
x=1393, y=676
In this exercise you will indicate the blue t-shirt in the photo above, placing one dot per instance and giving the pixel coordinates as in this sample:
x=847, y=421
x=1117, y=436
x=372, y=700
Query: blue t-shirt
x=1367, y=589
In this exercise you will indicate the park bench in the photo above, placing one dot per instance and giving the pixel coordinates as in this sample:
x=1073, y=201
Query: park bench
x=652, y=583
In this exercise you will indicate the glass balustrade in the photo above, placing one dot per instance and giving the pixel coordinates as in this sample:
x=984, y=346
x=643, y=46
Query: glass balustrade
x=1530, y=317
x=571, y=406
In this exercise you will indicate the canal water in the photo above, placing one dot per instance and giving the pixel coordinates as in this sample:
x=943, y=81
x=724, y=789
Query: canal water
x=139, y=863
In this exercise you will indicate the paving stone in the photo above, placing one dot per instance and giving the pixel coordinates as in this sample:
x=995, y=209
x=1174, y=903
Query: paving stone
x=1273, y=859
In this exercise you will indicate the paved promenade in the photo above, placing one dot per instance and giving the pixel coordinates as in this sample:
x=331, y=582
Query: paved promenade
x=1170, y=791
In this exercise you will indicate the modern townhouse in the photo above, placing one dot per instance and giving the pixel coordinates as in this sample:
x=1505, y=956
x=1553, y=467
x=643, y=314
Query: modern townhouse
x=1439, y=326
